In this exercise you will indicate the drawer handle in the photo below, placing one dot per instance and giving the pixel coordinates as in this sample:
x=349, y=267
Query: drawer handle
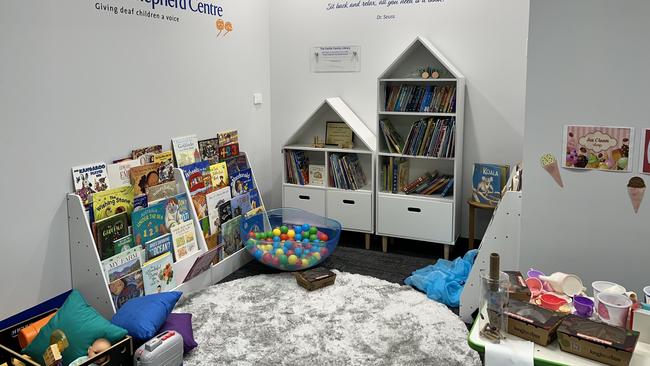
x=414, y=209
x=348, y=202
x=303, y=197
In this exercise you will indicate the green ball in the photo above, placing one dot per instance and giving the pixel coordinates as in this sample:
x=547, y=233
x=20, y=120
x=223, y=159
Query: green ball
x=284, y=229
x=283, y=259
x=313, y=237
x=269, y=234
x=260, y=236
x=313, y=230
x=250, y=243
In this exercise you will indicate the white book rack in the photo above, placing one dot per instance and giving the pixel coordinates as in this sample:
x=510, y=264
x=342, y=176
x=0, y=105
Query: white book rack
x=86, y=268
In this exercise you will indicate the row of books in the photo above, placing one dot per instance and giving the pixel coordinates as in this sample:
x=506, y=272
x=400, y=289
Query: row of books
x=345, y=172
x=144, y=212
x=434, y=136
x=297, y=167
x=431, y=183
x=394, y=174
x=420, y=98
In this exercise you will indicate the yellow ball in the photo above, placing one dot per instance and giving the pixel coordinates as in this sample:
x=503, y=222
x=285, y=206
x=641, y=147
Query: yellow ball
x=277, y=232
x=316, y=255
x=279, y=252
x=293, y=259
x=269, y=247
x=305, y=262
x=291, y=234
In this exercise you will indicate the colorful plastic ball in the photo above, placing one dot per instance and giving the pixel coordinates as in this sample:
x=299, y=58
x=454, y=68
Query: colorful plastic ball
x=313, y=237
x=313, y=230
x=251, y=234
x=313, y=260
x=267, y=257
x=269, y=234
x=305, y=262
x=323, y=252
x=284, y=259
x=250, y=243
x=284, y=229
x=258, y=254
x=291, y=233
x=260, y=236
x=276, y=238
x=316, y=255
x=298, y=237
x=279, y=252
x=324, y=237
x=269, y=240
x=276, y=232
x=292, y=259
x=284, y=237
x=275, y=261
x=298, y=251
x=316, y=241
x=290, y=252
x=298, y=229
x=305, y=227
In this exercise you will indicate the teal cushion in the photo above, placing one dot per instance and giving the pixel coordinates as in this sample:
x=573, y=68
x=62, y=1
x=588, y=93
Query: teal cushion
x=81, y=324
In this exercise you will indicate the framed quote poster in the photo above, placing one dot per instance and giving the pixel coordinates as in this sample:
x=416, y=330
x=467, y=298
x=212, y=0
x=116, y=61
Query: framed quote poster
x=645, y=151
x=598, y=147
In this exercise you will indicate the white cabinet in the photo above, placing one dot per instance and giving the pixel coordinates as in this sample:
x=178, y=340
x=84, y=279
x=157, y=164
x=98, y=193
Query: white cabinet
x=412, y=218
x=304, y=198
x=351, y=209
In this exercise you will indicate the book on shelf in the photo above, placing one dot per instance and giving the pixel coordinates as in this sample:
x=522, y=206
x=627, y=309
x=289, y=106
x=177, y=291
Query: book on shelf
x=429, y=184
x=395, y=172
x=393, y=139
x=158, y=246
x=140, y=202
x=240, y=204
x=231, y=236
x=227, y=137
x=297, y=167
x=346, y=171
x=158, y=274
x=126, y=288
x=145, y=155
x=202, y=264
x=194, y=175
x=166, y=167
x=123, y=263
x=184, y=240
x=316, y=175
x=219, y=175
x=118, y=173
x=241, y=182
x=112, y=201
x=186, y=150
x=237, y=163
x=200, y=204
x=209, y=149
x=90, y=179
x=487, y=182
x=158, y=219
x=256, y=200
x=161, y=191
x=123, y=244
x=432, y=137
x=107, y=231
x=228, y=151
x=420, y=98
x=143, y=176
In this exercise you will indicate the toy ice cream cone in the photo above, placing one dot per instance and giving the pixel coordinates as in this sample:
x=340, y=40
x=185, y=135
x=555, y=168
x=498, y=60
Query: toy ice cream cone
x=550, y=165
x=636, y=190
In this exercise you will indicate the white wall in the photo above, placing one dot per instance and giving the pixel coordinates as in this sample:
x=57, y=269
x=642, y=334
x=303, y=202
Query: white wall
x=587, y=64
x=485, y=40
x=79, y=85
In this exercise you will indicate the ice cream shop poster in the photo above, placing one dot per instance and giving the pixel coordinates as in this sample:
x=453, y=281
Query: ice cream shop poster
x=596, y=147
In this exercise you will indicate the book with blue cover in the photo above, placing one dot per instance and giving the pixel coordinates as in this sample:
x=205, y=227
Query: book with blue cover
x=487, y=182
x=158, y=246
x=241, y=204
x=241, y=182
x=194, y=175
x=158, y=219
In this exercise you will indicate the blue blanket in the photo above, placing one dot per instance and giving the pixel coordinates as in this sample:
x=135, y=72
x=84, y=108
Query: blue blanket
x=444, y=281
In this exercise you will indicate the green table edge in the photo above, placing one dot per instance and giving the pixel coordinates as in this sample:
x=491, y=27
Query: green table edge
x=481, y=349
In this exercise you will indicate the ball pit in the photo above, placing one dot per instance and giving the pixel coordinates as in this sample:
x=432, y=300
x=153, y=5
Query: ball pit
x=290, y=239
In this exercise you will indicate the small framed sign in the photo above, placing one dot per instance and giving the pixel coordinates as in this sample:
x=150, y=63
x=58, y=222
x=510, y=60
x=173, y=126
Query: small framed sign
x=338, y=133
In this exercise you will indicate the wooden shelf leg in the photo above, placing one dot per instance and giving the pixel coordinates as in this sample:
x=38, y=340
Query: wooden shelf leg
x=367, y=241
x=384, y=244
x=447, y=247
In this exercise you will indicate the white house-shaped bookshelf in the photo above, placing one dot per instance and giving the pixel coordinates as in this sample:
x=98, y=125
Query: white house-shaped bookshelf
x=431, y=217
x=354, y=209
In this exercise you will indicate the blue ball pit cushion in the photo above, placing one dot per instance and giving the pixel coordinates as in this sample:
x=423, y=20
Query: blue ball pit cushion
x=143, y=316
x=81, y=324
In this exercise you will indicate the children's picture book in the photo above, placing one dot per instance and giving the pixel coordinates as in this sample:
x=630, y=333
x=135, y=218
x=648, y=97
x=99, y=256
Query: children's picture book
x=145, y=155
x=214, y=200
x=123, y=244
x=126, y=288
x=225, y=212
x=316, y=175
x=194, y=175
x=158, y=246
x=201, y=264
x=118, y=173
x=184, y=239
x=240, y=205
x=219, y=175
x=487, y=181
x=256, y=201
x=394, y=140
x=241, y=182
x=159, y=218
x=186, y=150
x=255, y=211
x=205, y=226
x=161, y=191
x=112, y=201
x=253, y=223
x=108, y=230
x=166, y=168
x=209, y=149
x=645, y=162
x=200, y=205
x=144, y=176
x=231, y=236
x=228, y=151
x=214, y=242
x=598, y=147
x=89, y=179
x=158, y=274
x=237, y=163
x=123, y=263
x=227, y=137
x=140, y=202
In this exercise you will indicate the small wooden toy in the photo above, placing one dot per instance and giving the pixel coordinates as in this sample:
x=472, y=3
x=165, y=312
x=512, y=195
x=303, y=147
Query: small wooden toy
x=318, y=142
x=58, y=344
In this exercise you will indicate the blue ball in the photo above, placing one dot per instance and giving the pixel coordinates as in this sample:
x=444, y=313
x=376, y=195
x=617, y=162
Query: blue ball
x=258, y=254
x=276, y=239
x=298, y=229
x=298, y=251
x=305, y=227
x=305, y=240
x=316, y=241
x=298, y=237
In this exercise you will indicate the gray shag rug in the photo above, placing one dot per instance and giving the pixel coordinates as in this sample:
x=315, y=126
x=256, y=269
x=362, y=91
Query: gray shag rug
x=360, y=320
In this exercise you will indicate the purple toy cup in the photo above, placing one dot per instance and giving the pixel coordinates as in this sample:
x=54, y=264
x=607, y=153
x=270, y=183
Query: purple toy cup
x=534, y=273
x=584, y=306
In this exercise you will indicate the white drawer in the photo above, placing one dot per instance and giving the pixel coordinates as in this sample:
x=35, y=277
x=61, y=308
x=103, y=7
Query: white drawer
x=308, y=199
x=352, y=209
x=418, y=219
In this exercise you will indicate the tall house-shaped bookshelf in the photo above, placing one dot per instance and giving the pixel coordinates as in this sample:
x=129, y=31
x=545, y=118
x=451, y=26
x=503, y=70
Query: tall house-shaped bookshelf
x=405, y=97
x=353, y=208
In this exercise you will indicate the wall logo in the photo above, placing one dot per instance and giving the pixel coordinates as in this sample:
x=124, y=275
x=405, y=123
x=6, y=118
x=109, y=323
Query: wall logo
x=221, y=26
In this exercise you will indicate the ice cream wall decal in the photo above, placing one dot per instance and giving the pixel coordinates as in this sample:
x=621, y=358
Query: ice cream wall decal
x=221, y=25
x=636, y=190
x=549, y=163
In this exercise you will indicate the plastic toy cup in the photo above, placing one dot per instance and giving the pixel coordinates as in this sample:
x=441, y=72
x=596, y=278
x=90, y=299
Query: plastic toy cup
x=534, y=273
x=646, y=291
x=551, y=302
x=613, y=308
x=535, y=286
x=584, y=306
x=606, y=286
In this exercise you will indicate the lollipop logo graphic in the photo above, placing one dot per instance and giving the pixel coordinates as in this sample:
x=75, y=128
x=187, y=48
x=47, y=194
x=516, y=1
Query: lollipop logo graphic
x=221, y=26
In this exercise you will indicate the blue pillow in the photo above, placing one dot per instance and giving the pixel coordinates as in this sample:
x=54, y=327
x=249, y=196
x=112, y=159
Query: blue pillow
x=143, y=316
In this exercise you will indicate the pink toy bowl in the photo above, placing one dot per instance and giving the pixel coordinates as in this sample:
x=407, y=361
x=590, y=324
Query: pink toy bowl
x=535, y=286
x=551, y=302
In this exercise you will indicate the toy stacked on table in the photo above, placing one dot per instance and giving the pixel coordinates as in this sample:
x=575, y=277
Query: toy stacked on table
x=289, y=247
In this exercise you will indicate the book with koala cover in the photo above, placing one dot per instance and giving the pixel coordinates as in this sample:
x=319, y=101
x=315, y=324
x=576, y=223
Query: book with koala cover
x=158, y=274
x=487, y=182
x=158, y=219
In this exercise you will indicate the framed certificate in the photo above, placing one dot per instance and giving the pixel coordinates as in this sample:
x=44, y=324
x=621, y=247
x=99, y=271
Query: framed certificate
x=338, y=133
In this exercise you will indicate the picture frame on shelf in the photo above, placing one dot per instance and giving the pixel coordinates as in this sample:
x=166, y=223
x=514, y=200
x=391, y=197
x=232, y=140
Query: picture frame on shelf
x=339, y=133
